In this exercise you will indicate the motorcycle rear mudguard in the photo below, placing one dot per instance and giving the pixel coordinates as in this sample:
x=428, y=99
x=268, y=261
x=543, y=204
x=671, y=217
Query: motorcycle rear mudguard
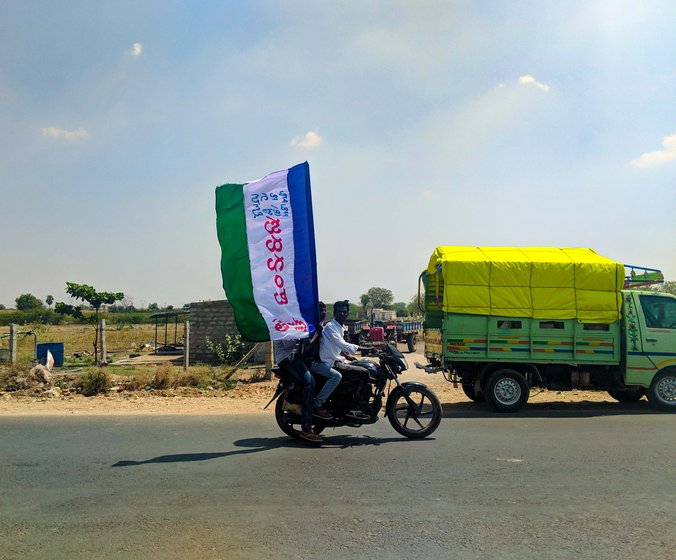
x=281, y=387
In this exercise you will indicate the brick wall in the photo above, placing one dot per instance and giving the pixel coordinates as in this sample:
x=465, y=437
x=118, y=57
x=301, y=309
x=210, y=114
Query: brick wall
x=213, y=319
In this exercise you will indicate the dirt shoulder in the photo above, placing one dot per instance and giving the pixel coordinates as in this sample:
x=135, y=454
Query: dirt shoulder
x=245, y=398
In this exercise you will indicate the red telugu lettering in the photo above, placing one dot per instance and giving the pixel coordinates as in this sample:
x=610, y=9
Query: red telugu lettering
x=277, y=265
x=274, y=226
x=274, y=245
x=281, y=297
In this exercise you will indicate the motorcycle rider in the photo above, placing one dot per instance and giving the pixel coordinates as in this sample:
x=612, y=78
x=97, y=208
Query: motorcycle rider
x=334, y=351
x=320, y=368
x=289, y=359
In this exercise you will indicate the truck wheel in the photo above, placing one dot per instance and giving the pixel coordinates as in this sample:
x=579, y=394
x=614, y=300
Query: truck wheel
x=507, y=390
x=410, y=342
x=662, y=392
x=468, y=389
x=627, y=396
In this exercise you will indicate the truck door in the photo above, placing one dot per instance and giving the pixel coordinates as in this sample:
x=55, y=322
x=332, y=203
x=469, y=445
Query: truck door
x=657, y=318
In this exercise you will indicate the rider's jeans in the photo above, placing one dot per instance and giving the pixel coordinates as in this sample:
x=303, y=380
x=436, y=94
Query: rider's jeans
x=333, y=378
x=297, y=368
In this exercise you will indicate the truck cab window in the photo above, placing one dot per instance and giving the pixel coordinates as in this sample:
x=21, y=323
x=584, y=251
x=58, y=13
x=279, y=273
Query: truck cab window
x=659, y=312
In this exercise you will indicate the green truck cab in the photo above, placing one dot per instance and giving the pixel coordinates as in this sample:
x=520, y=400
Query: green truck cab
x=627, y=349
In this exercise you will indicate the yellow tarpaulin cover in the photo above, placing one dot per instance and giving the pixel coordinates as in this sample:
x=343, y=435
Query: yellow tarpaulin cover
x=538, y=282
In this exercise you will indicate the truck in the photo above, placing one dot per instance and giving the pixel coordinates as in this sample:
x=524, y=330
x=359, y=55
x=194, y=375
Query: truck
x=408, y=332
x=500, y=321
x=393, y=332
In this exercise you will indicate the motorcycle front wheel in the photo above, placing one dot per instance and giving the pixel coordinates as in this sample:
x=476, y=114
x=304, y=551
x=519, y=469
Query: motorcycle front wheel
x=289, y=422
x=419, y=420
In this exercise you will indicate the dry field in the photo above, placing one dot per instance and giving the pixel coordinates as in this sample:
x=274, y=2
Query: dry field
x=121, y=340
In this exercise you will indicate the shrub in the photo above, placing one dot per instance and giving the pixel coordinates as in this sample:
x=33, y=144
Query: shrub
x=230, y=351
x=190, y=379
x=29, y=316
x=136, y=382
x=163, y=377
x=14, y=377
x=93, y=381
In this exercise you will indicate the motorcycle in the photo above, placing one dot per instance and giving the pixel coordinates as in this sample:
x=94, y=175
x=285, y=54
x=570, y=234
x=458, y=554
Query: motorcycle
x=412, y=409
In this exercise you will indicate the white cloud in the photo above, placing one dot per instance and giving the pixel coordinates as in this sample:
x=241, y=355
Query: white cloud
x=310, y=140
x=54, y=132
x=659, y=156
x=528, y=79
x=136, y=49
x=428, y=194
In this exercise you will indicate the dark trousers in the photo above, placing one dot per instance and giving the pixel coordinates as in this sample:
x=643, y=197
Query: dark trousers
x=294, y=367
x=363, y=373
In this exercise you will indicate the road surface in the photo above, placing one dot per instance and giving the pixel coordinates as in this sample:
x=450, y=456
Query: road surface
x=564, y=483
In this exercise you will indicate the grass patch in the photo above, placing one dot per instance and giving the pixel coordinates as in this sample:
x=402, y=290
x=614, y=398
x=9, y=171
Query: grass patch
x=94, y=381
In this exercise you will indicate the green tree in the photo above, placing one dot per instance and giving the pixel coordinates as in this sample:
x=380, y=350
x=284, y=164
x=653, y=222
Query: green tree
x=85, y=293
x=153, y=307
x=412, y=308
x=667, y=287
x=28, y=301
x=400, y=308
x=49, y=300
x=2, y=306
x=377, y=297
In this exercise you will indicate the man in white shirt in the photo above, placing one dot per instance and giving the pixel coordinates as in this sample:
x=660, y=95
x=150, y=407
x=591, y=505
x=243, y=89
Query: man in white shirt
x=334, y=351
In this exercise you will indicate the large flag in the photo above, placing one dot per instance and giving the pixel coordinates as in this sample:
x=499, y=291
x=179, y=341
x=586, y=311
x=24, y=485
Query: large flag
x=268, y=259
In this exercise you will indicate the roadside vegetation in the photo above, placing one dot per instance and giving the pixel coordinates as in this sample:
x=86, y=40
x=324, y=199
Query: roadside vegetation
x=164, y=379
x=79, y=376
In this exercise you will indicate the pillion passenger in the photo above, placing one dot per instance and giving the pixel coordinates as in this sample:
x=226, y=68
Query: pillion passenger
x=288, y=357
x=318, y=367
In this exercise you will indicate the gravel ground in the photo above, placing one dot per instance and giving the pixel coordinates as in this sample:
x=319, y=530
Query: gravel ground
x=247, y=398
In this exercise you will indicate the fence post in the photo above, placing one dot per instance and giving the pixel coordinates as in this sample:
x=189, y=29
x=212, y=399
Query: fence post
x=102, y=330
x=268, y=360
x=186, y=345
x=12, y=343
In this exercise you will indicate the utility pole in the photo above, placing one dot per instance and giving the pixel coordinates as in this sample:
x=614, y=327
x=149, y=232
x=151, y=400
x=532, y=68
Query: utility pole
x=12, y=343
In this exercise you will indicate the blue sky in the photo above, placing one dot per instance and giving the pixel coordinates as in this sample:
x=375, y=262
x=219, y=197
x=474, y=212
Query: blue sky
x=424, y=123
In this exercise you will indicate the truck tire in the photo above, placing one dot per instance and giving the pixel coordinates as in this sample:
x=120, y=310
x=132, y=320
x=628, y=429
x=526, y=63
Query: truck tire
x=626, y=395
x=662, y=392
x=411, y=342
x=470, y=392
x=506, y=390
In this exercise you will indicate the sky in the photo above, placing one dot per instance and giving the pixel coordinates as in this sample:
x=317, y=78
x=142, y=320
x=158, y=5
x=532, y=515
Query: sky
x=429, y=123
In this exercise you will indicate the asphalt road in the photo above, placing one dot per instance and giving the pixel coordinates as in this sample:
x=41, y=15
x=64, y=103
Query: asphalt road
x=564, y=483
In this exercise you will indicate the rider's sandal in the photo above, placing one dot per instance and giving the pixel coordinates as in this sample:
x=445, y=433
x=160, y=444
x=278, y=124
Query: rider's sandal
x=309, y=435
x=322, y=413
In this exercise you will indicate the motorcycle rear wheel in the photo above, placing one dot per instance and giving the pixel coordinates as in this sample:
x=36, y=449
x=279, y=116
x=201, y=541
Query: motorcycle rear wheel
x=289, y=422
x=414, y=423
